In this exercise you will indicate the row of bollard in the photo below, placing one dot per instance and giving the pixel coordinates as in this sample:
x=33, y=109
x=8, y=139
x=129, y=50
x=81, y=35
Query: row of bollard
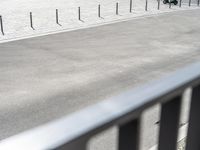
x=99, y=12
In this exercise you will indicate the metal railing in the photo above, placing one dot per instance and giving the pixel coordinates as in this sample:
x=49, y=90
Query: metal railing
x=124, y=111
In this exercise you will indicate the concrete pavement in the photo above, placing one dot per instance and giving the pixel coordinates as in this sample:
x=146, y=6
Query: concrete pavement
x=47, y=77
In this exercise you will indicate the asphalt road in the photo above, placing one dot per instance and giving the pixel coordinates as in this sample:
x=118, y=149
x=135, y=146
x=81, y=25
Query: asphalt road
x=47, y=77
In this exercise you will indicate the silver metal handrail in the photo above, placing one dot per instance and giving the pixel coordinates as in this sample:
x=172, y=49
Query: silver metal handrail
x=74, y=131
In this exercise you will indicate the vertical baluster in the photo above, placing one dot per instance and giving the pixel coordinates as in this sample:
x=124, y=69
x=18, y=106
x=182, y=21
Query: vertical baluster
x=80, y=144
x=193, y=136
x=169, y=124
x=129, y=136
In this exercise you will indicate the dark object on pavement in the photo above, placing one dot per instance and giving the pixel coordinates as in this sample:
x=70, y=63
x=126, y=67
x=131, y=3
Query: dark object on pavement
x=173, y=1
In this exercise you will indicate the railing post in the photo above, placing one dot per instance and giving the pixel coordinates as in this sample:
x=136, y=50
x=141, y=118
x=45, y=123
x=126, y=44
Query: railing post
x=129, y=136
x=75, y=145
x=169, y=124
x=194, y=121
x=1, y=22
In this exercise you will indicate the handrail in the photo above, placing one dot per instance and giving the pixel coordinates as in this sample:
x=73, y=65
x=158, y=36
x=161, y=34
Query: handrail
x=73, y=131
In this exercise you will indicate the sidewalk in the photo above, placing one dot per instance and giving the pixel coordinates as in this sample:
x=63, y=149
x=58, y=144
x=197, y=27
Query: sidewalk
x=16, y=14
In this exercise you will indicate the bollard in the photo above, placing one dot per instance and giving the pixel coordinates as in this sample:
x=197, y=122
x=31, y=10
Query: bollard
x=146, y=5
x=131, y=6
x=79, y=13
x=31, y=21
x=198, y=2
x=117, y=8
x=99, y=11
x=1, y=22
x=189, y=3
x=170, y=4
x=180, y=3
x=158, y=4
x=57, y=16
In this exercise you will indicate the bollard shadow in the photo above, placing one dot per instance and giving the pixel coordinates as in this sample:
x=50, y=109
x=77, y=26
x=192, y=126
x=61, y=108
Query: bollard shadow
x=101, y=17
x=59, y=24
x=132, y=11
x=81, y=20
x=32, y=28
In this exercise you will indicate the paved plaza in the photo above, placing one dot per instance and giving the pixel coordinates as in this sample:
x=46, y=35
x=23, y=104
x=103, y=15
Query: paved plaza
x=47, y=77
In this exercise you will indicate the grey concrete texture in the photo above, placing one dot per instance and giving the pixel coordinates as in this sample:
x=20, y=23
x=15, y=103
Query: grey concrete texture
x=47, y=77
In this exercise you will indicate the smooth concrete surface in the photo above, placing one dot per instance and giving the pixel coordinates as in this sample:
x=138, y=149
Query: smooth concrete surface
x=47, y=77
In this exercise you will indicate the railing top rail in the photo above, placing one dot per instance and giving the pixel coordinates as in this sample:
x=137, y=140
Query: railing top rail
x=115, y=110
